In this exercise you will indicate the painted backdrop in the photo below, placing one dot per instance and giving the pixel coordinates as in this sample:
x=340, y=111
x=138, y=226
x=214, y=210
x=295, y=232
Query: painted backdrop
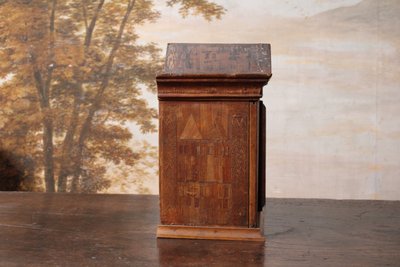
x=73, y=75
x=333, y=129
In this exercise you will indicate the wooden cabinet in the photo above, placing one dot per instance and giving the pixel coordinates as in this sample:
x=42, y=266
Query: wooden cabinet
x=212, y=141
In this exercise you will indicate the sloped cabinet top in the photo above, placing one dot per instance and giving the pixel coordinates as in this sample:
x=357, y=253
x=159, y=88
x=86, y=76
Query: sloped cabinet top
x=217, y=60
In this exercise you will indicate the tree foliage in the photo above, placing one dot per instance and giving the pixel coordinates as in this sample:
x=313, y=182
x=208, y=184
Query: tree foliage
x=72, y=76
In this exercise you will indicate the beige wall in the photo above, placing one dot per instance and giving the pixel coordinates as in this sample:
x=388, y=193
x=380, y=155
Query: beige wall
x=333, y=124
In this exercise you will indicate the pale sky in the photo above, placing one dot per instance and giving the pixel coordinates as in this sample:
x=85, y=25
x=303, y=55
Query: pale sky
x=284, y=8
x=245, y=21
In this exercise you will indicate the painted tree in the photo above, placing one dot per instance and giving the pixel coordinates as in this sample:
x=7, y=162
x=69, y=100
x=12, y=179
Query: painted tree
x=73, y=72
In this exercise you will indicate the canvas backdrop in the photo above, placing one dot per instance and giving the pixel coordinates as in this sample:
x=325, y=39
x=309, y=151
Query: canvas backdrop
x=333, y=124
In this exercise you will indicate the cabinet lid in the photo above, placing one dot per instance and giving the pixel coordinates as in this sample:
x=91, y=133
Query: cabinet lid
x=217, y=60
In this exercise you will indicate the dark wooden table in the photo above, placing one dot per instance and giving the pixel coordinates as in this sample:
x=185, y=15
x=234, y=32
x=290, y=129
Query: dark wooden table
x=119, y=230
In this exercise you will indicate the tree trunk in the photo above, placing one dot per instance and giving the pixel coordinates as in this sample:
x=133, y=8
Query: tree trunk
x=90, y=28
x=43, y=89
x=66, y=155
x=48, y=154
x=47, y=122
x=85, y=130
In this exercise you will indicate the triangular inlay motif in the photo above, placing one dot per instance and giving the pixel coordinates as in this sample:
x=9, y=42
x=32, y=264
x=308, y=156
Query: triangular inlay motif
x=191, y=130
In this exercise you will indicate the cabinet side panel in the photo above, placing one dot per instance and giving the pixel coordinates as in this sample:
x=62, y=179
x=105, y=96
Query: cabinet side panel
x=262, y=157
x=253, y=163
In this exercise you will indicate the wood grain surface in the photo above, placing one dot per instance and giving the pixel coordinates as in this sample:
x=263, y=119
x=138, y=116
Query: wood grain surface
x=204, y=162
x=120, y=230
x=209, y=134
x=227, y=59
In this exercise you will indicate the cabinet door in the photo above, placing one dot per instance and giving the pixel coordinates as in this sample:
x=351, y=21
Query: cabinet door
x=204, y=163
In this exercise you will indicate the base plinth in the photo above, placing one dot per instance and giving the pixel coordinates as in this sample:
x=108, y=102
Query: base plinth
x=213, y=233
